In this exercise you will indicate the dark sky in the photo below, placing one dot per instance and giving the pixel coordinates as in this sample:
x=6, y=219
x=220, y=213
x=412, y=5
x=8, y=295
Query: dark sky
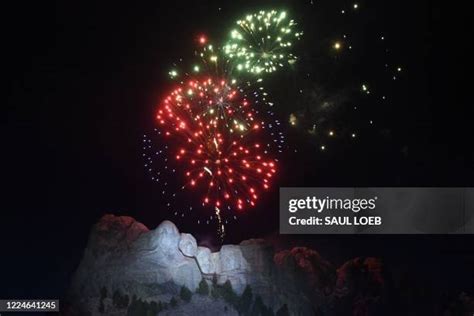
x=83, y=81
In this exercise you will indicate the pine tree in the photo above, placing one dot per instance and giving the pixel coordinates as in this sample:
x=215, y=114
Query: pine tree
x=283, y=311
x=245, y=300
x=258, y=306
x=173, y=302
x=116, y=298
x=228, y=293
x=103, y=295
x=185, y=294
x=101, y=307
x=214, y=280
x=203, y=288
x=103, y=292
x=125, y=301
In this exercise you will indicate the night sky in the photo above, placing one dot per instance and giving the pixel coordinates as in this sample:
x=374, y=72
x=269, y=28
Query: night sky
x=84, y=82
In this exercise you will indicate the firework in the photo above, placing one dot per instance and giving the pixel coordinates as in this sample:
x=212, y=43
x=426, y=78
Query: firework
x=218, y=148
x=207, y=59
x=262, y=42
x=215, y=106
x=233, y=101
x=219, y=142
x=219, y=137
x=212, y=180
x=212, y=61
x=224, y=172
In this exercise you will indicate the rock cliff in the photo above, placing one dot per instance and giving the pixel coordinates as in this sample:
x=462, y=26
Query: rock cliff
x=123, y=258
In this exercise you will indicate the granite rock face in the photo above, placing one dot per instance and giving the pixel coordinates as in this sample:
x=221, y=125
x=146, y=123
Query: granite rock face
x=122, y=254
x=188, y=245
x=205, y=261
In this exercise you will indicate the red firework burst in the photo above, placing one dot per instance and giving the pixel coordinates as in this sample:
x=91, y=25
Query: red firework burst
x=210, y=103
x=217, y=138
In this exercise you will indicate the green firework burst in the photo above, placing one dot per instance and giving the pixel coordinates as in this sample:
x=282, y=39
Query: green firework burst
x=262, y=42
